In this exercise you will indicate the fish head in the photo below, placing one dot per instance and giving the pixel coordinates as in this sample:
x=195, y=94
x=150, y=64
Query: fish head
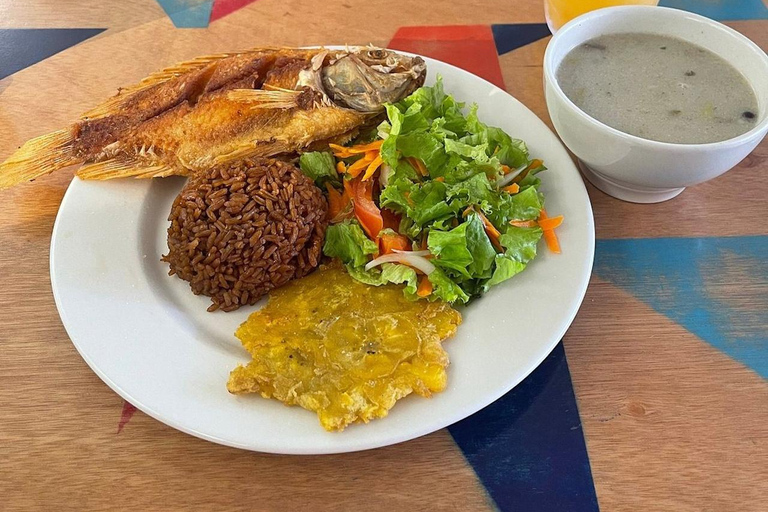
x=364, y=79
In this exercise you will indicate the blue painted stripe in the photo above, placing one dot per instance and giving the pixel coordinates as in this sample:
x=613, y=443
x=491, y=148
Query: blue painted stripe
x=722, y=9
x=510, y=37
x=528, y=447
x=188, y=13
x=23, y=47
x=717, y=288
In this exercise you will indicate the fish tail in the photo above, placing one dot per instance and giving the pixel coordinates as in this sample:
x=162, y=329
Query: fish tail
x=115, y=168
x=38, y=157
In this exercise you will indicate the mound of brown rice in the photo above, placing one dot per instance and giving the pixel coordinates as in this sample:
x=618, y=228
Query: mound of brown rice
x=242, y=229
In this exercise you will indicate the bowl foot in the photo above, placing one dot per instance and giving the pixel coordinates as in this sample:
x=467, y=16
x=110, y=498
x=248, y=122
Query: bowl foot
x=625, y=192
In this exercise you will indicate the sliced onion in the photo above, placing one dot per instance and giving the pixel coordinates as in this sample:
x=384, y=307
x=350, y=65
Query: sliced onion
x=405, y=257
x=384, y=174
x=507, y=179
x=425, y=252
x=382, y=131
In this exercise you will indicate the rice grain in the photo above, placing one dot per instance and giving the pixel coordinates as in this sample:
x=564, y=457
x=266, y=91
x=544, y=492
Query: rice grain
x=242, y=229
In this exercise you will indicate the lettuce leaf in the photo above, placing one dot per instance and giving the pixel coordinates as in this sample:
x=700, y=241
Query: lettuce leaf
x=428, y=202
x=479, y=245
x=320, y=166
x=443, y=287
x=509, y=151
x=464, y=249
x=525, y=205
x=474, y=190
x=505, y=268
x=389, y=273
x=520, y=243
x=347, y=242
x=450, y=249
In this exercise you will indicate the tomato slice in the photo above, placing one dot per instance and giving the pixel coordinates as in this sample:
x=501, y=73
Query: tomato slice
x=366, y=211
x=391, y=219
x=388, y=242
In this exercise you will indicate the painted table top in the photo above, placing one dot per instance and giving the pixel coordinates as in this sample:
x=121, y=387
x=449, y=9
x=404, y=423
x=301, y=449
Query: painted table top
x=655, y=400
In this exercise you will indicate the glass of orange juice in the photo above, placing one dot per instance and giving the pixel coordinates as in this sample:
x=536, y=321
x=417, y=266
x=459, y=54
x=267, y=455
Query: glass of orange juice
x=560, y=12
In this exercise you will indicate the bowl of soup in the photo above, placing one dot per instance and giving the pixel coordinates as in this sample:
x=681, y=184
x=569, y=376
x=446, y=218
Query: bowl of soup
x=652, y=100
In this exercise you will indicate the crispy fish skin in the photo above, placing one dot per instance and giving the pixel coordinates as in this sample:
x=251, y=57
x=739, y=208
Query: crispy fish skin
x=183, y=83
x=346, y=350
x=218, y=129
x=186, y=118
x=108, y=122
x=211, y=127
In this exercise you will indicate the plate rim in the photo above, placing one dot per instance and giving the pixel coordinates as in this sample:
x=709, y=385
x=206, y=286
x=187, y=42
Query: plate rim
x=389, y=439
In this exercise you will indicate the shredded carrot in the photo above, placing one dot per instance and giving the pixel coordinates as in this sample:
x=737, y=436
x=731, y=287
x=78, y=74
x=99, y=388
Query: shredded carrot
x=550, y=223
x=549, y=234
x=534, y=164
x=340, y=167
x=418, y=165
x=375, y=145
x=491, y=230
x=440, y=179
x=407, y=196
x=357, y=167
x=372, y=168
x=364, y=148
x=425, y=287
x=524, y=223
x=512, y=189
x=505, y=169
x=551, y=238
x=346, y=152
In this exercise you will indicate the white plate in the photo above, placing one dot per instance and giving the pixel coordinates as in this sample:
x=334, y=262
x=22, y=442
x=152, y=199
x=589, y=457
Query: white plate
x=151, y=340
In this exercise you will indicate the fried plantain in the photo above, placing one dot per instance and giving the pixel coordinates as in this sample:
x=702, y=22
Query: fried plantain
x=343, y=349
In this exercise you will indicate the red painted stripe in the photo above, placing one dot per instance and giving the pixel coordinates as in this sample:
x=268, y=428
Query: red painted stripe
x=222, y=8
x=469, y=47
x=125, y=416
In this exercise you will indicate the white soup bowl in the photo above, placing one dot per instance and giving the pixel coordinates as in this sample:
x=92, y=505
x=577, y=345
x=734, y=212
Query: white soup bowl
x=641, y=170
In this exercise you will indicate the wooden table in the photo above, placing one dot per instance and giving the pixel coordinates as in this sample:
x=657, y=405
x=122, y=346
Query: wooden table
x=661, y=404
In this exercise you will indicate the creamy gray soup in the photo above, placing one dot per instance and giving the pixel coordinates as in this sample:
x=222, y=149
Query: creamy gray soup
x=659, y=88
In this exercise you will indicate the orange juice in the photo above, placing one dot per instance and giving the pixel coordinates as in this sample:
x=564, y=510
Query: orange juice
x=560, y=12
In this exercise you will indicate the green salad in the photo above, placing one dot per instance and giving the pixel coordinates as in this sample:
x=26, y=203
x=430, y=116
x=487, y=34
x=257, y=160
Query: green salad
x=433, y=199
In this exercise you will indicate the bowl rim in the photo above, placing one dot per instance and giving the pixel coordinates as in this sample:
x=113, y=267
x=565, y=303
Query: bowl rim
x=631, y=10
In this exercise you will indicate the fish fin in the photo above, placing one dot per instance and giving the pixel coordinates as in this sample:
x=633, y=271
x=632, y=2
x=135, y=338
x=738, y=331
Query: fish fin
x=107, y=107
x=38, y=157
x=261, y=98
x=113, y=104
x=118, y=168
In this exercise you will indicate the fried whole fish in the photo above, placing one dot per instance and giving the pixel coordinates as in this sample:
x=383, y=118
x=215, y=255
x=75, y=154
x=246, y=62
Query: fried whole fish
x=214, y=109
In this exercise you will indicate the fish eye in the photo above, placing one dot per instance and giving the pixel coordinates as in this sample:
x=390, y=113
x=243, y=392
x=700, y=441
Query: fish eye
x=377, y=54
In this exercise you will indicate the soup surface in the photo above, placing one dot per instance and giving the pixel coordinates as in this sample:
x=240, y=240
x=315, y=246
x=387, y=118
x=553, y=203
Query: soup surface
x=659, y=88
